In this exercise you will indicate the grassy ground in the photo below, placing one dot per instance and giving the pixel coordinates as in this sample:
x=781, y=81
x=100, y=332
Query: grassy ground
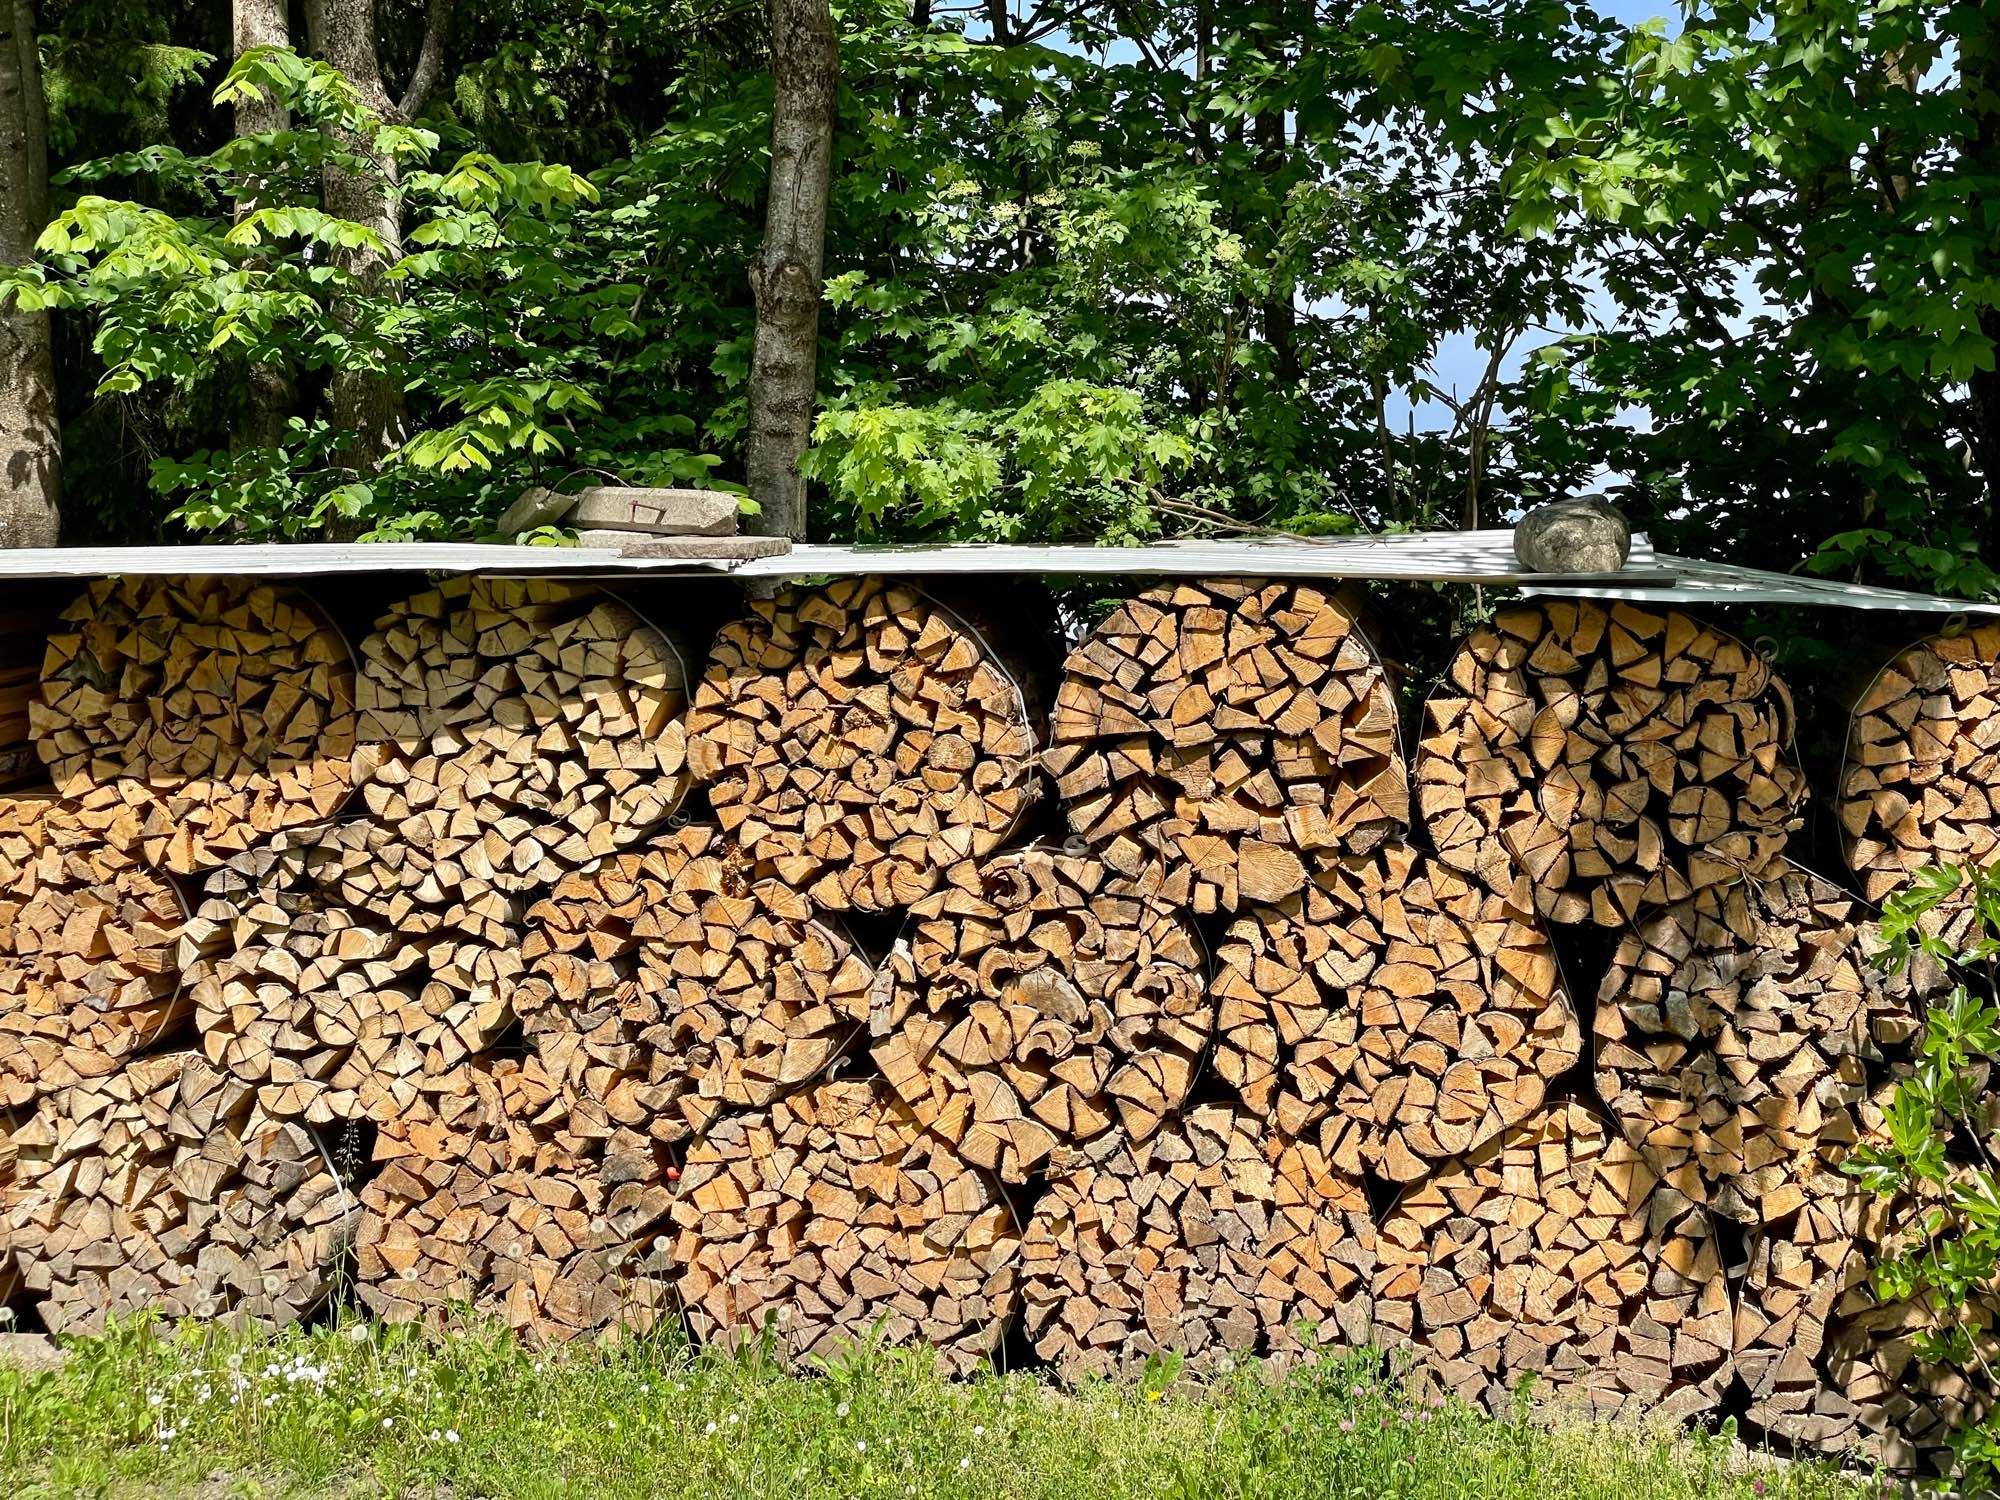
x=362, y=1411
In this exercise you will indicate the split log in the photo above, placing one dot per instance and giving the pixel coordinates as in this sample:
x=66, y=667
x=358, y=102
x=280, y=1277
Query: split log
x=1921, y=784
x=860, y=740
x=1735, y=1036
x=1592, y=760
x=1210, y=1240
x=191, y=716
x=485, y=1199
x=519, y=729
x=88, y=975
x=1038, y=1001
x=1553, y=1251
x=1232, y=729
x=1414, y=1012
x=668, y=985
x=24, y=635
x=162, y=1187
x=838, y=1218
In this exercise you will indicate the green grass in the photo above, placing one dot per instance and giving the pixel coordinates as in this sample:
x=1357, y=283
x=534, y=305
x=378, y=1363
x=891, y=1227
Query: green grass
x=361, y=1410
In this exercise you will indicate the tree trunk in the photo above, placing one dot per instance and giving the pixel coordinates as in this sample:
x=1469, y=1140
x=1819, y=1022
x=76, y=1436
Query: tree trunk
x=786, y=272
x=30, y=440
x=1979, y=70
x=367, y=405
x=262, y=23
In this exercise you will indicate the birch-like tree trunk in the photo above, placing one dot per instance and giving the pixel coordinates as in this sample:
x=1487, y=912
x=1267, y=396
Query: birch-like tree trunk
x=786, y=273
x=30, y=434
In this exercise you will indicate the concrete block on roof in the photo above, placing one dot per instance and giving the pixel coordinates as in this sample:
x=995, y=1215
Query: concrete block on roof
x=657, y=512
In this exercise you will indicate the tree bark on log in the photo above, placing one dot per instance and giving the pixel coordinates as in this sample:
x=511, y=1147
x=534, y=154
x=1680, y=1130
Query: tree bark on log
x=1740, y=1036
x=88, y=971
x=859, y=740
x=839, y=1218
x=1413, y=1012
x=668, y=986
x=30, y=432
x=190, y=716
x=1228, y=730
x=1037, y=1002
x=489, y=1200
x=1214, y=1240
x=1592, y=760
x=1554, y=1251
x=1921, y=782
x=786, y=273
x=161, y=1187
x=518, y=730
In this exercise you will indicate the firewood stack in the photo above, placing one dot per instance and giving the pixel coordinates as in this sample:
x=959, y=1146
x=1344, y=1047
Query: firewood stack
x=1905, y=1405
x=1554, y=1251
x=518, y=729
x=1735, y=1032
x=162, y=1186
x=860, y=740
x=1413, y=1012
x=1224, y=732
x=24, y=635
x=88, y=975
x=668, y=985
x=485, y=1198
x=1591, y=760
x=1922, y=781
x=334, y=1015
x=1041, y=1001
x=1209, y=1240
x=188, y=717
x=835, y=1216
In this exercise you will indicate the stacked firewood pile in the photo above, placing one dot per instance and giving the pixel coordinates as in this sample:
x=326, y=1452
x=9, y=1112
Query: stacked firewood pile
x=1242, y=1066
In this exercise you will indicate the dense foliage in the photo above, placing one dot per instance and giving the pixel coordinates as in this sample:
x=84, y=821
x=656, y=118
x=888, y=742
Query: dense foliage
x=1094, y=270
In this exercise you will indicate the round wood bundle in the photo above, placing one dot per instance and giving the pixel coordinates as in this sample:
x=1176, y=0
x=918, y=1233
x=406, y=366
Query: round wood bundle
x=88, y=975
x=1415, y=1012
x=1906, y=1407
x=1554, y=1251
x=527, y=728
x=1039, y=1001
x=1734, y=1036
x=484, y=1198
x=837, y=1217
x=860, y=740
x=334, y=1019
x=194, y=715
x=1206, y=1241
x=1228, y=729
x=1921, y=784
x=1593, y=760
x=162, y=1187
x=669, y=985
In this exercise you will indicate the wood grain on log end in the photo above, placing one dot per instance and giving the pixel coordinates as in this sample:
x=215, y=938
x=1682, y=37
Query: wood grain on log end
x=859, y=740
x=188, y=717
x=162, y=1187
x=1212, y=1240
x=1735, y=1035
x=1593, y=759
x=1414, y=1012
x=519, y=729
x=88, y=969
x=1039, y=1001
x=668, y=985
x=1230, y=729
x=485, y=1198
x=1554, y=1251
x=834, y=1218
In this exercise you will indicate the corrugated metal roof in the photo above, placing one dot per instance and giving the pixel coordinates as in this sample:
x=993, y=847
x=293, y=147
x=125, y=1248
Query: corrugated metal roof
x=1482, y=557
